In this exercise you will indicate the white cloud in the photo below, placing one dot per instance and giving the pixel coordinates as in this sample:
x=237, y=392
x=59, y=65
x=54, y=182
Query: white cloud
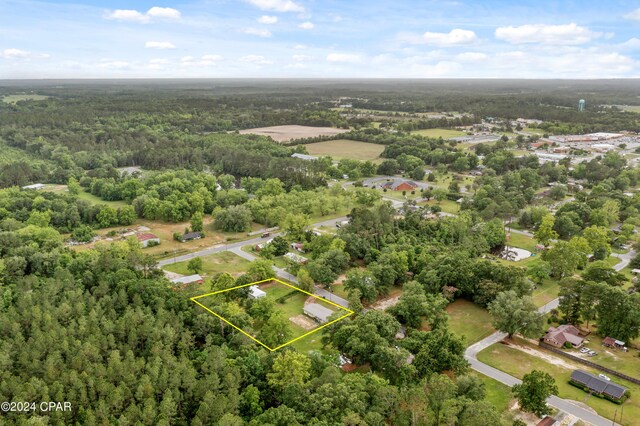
x=306, y=25
x=454, y=37
x=631, y=44
x=257, y=31
x=204, y=60
x=159, y=45
x=343, y=57
x=471, y=56
x=567, y=34
x=256, y=59
x=126, y=15
x=301, y=58
x=113, y=65
x=297, y=65
x=268, y=20
x=299, y=46
x=21, y=54
x=277, y=5
x=159, y=61
x=131, y=15
x=634, y=15
x=164, y=12
x=336, y=18
x=440, y=69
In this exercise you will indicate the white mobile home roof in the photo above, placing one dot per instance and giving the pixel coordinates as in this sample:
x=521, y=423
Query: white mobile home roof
x=187, y=280
x=317, y=311
x=255, y=292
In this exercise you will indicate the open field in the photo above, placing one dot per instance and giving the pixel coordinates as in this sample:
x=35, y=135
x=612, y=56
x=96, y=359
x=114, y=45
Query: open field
x=447, y=206
x=12, y=99
x=469, y=320
x=439, y=133
x=83, y=195
x=287, y=133
x=497, y=393
x=518, y=363
x=214, y=263
x=343, y=148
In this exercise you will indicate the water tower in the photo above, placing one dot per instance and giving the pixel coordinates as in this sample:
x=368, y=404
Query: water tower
x=581, y=105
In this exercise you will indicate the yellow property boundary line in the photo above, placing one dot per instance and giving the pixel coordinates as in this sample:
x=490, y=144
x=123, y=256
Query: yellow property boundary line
x=194, y=299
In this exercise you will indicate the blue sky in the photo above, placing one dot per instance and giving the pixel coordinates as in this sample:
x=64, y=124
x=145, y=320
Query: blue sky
x=319, y=38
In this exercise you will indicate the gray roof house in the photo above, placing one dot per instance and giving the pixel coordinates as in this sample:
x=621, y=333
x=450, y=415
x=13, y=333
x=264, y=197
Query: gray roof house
x=598, y=385
x=317, y=312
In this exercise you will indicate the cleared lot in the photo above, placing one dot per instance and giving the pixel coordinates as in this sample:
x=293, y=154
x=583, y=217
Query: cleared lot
x=287, y=133
x=343, y=148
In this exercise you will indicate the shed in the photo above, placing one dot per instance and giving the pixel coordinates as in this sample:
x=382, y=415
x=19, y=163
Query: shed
x=317, y=312
x=610, y=342
x=256, y=293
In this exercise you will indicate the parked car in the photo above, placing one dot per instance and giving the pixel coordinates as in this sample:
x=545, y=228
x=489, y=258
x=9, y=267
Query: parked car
x=584, y=350
x=602, y=376
x=593, y=353
x=266, y=234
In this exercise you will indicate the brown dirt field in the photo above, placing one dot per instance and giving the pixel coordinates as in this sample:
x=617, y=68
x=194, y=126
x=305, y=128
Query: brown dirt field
x=286, y=133
x=304, y=322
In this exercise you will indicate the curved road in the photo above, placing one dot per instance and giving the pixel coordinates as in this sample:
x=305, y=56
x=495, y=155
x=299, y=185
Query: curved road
x=565, y=405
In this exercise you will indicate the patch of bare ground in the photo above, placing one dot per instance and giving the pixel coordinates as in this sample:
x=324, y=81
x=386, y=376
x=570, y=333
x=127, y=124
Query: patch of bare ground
x=383, y=304
x=546, y=356
x=304, y=322
x=287, y=133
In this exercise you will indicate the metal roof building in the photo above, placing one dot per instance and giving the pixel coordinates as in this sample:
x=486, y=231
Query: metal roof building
x=317, y=312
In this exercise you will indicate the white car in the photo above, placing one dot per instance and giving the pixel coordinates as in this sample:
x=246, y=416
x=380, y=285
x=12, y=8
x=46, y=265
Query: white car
x=593, y=353
x=584, y=350
x=602, y=376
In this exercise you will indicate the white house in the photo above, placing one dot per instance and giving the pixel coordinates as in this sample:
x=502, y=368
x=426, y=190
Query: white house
x=256, y=293
x=145, y=238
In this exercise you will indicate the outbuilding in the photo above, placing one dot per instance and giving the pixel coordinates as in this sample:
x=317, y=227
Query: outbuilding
x=190, y=279
x=144, y=238
x=317, y=312
x=256, y=293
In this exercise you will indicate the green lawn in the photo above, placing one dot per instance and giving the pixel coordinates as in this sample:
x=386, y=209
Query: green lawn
x=97, y=200
x=469, y=320
x=439, y=133
x=518, y=363
x=522, y=241
x=447, y=206
x=224, y=261
x=498, y=393
x=545, y=292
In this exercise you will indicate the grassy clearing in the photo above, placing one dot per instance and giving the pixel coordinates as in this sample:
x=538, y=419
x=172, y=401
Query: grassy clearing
x=343, y=148
x=215, y=263
x=12, y=99
x=545, y=292
x=469, y=320
x=83, y=195
x=439, y=133
x=447, y=206
x=518, y=363
x=624, y=362
x=498, y=393
x=522, y=241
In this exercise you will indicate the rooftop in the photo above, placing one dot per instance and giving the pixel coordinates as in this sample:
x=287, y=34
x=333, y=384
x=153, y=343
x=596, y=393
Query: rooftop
x=598, y=384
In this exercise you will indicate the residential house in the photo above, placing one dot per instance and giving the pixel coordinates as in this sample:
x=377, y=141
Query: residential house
x=400, y=185
x=559, y=336
x=189, y=236
x=144, y=238
x=304, y=157
x=598, y=385
x=317, y=312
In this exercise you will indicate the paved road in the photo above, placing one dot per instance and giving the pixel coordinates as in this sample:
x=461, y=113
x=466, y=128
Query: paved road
x=562, y=404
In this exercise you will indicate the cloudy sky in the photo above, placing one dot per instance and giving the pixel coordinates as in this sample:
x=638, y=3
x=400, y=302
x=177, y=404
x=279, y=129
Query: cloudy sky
x=320, y=38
